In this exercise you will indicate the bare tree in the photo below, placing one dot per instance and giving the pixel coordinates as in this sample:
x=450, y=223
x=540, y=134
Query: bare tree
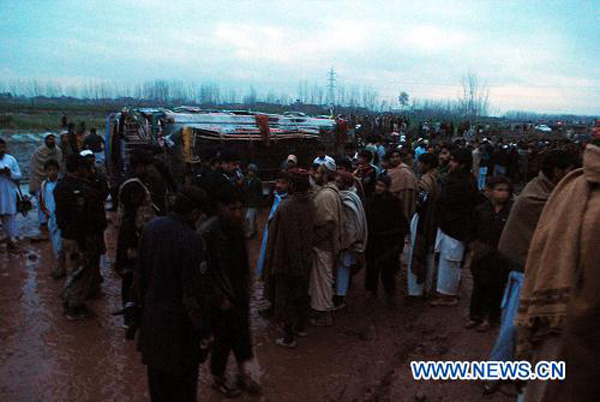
x=474, y=99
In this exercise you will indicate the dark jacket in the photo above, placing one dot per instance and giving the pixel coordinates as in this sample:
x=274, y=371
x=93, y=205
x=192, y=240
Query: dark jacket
x=455, y=205
x=227, y=260
x=211, y=180
x=132, y=196
x=77, y=214
x=99, y=186
x=487, y=224
x=253, y=192
x=385, y=219
x=172, y=287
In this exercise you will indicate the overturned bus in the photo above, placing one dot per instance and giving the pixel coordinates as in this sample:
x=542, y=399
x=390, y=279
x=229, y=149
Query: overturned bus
x=182, y=133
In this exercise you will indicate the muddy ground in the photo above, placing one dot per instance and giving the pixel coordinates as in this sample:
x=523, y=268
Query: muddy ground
x=364, y=357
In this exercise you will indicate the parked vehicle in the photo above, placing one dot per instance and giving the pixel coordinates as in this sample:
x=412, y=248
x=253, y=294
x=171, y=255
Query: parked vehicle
x=543, y=128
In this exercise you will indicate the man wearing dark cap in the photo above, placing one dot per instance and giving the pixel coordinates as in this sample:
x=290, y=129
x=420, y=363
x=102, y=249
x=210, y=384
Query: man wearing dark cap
x=99, y=183
x=172, y=292
x=289, y=258
x=216, y=175
x=136, y=209
x=227, y=261
x=387, y=227
x=81, y=227
x=230, y=165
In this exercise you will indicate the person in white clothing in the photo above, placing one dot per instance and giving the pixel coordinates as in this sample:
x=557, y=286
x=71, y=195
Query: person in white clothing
x=322, y=158
x=10, y=174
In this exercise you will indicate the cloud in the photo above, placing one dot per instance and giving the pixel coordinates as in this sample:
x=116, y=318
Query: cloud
x=430, y=38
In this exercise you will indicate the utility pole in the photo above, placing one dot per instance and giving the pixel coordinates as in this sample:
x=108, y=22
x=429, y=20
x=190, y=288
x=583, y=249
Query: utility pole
x=331, y=85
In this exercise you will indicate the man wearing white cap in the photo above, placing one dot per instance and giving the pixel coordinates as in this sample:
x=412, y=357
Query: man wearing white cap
x=326, y=244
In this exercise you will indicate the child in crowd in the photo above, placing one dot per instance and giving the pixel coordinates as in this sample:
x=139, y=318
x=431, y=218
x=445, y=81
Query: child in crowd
x=489, y=268
x=48, y=206
x=253, y=194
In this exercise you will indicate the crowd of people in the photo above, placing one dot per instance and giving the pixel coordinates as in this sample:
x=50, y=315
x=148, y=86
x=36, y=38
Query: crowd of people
x=441, y=207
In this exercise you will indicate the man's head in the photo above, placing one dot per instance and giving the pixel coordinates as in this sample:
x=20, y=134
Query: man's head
x=230, y=205
x=461, y=160
x=2, y=148
x=383, y=184
x=50, y=141
x=292, y=161
x=77, y=166
x=395, y=158
x=282, y=183
x=557, y=164
x=51, y=167
x=252, y=170
x=325, y=173
x=499, y=189
x=427, y=162
x=365, y=157
x=64, y=140
x=191, y=203
x=89, y=157
x=208, y=156
x=344, y=180
x=445, y=153
x=299, y=181
x=230, y=161
x=343, y=165
x=92, y=131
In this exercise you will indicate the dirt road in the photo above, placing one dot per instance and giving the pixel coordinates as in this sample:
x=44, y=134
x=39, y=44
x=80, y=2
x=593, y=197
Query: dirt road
x=364, y=357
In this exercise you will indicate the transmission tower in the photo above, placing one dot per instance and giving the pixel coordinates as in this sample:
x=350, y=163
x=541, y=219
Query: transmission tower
x=331, y=85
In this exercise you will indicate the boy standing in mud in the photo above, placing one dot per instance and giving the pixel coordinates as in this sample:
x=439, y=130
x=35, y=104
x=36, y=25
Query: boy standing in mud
x=228, y=265
x=48, y=207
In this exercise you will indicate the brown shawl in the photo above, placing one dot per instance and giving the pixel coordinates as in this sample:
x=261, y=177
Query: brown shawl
x=523, y=218
x=328, y=219
x=554, y=257
x=37, y=174
x=404, y=186
x=582, y=330
x=426, y=228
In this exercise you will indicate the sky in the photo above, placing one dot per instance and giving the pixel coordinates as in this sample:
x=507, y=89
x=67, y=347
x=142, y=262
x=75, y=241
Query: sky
x=532, y=55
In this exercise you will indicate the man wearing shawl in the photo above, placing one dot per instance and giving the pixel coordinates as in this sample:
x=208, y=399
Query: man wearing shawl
x=404, y=183
x=328, y=226
x=280, y=194
x=581, y=333
x=563, y=247
x=289, y=258
x=354, y=234
x=48, y=150
x=423, y=228
x=514, y=246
